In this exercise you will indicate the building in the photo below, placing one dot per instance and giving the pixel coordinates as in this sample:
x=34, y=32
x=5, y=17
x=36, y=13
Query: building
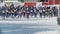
x=44, y=2
x=33, y=2
x=51, y=2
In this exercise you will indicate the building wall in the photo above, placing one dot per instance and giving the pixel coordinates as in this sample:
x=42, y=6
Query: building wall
x=51, y=2
x=57, y=1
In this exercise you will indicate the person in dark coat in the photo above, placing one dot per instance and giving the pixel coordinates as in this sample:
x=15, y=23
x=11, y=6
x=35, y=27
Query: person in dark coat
x=3, y=13
x=31, y=12
x=0, y=11
x=23, y=13
x=44, y=14
x=20, y=13
x=55, y=11
x=40, y=13
x=35, y=13
x=27, y=12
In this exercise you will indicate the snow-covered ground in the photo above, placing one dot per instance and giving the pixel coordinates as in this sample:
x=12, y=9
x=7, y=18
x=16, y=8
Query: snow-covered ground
x=57, y=31
x=43, y=21
x=47, y=32
x=47, y=25
x=28, y=29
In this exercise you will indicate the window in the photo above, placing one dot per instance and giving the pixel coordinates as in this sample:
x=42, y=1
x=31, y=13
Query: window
x=43, y=0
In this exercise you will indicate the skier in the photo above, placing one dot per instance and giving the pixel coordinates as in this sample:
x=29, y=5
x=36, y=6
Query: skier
x=35, y=13
x=40, y=13
x=0, y=11
x=44, y=11
x=27, y=12
x=31, y=12
x=20, y=13
x=12, y=12
x=3, y=13
x=9, y=12
x=55, y=11
x=23, y=12
x=51, y=12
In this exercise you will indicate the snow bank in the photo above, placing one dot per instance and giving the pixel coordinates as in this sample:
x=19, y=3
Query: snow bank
x=43, y=21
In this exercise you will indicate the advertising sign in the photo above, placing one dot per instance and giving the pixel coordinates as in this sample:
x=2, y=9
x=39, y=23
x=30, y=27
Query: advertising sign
x=26, y=4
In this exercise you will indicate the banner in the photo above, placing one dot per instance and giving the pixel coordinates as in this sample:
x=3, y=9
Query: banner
x=38, y=4
x=26, y=4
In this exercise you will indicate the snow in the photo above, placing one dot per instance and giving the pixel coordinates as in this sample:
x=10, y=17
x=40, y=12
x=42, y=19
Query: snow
x=47, y=32
x=43, y=21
